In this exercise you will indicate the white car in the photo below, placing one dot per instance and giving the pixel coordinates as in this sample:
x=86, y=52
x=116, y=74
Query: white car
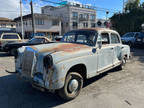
x=63, y=66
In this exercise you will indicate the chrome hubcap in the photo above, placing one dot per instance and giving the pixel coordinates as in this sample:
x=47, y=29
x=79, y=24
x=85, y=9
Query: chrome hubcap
x=73, y=85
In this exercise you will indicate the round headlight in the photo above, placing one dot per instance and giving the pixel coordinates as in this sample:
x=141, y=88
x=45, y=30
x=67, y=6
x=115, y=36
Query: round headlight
x=48, y=61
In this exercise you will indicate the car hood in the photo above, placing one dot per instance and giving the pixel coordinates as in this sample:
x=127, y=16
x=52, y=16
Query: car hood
x=61, y=51
x=59, y=47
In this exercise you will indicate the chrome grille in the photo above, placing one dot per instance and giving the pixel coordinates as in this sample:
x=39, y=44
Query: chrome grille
x=27, y=63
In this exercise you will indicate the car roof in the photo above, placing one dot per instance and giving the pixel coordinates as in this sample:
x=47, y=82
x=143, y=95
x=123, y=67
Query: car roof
x=98, y=29
x=42, y=37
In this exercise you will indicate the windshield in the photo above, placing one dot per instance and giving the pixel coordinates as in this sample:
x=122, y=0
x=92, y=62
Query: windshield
x=87, y=37
x=128, y=35
x=36, y=40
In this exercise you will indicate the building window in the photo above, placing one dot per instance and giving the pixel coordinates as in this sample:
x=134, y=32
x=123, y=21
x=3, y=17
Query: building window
x=92, y=17
x=43, y=11
x=75, y=15
x=39, y=21
x=3, y=25
x=75, y=25
x=93, y=25
x=26, y=23
x=85, y=24
x=30, y=22
x=55, y=22
x=81, y=15
x=86, y=16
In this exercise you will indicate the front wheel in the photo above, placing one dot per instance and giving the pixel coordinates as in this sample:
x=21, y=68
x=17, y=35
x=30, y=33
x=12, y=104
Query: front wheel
x=72, y=87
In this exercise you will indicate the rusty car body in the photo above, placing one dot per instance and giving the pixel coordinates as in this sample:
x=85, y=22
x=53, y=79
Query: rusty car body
x=63, y=66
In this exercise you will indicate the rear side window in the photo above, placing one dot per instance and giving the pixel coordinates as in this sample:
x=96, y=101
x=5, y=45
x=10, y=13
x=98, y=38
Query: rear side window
x=8, y=36
x=105, y=38
x=114, y=38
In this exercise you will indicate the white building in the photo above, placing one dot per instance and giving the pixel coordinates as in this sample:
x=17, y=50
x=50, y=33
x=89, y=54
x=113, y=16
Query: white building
x=49, y=25
x=74, y=16
x=7, y=23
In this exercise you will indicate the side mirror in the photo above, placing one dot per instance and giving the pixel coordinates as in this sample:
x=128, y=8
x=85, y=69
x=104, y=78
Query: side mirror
x=99, y=44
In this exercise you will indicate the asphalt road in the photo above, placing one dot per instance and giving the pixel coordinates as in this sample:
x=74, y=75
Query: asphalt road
x=113, y=89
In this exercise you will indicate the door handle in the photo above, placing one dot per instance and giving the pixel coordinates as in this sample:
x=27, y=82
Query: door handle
x=122, y=47
x=112, y=48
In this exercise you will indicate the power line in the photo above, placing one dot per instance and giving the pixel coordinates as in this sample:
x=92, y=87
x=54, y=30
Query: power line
x=11, y=11
x=94, y=7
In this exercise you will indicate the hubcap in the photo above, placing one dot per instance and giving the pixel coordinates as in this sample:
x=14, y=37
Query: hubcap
x=73, y=85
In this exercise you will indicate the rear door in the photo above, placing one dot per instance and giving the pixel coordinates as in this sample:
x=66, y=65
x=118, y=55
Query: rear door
x=105, y=54
x=116, y=43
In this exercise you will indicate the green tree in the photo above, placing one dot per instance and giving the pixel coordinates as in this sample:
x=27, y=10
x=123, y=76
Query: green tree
x=132, y=5
x=130, y=21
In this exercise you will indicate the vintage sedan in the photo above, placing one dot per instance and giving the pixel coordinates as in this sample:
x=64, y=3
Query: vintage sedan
x=64, y=66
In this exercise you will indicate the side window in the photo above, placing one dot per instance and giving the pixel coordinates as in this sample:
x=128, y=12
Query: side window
x=81, y=39
x=105, y=38
x=114, y=38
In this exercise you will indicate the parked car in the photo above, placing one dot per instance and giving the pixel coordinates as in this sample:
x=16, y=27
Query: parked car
x=65, y=65
x=131, y=38
x=36, y=34
x=58, y=38
x=6, y=38
x=140, y=40
x=12, y=47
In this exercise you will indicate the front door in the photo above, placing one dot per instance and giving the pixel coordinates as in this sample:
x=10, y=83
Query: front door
x=105, y=53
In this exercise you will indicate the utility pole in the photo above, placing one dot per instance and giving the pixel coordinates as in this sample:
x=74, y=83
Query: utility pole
x=123, y=6
x=22, y=31
x=32, y=14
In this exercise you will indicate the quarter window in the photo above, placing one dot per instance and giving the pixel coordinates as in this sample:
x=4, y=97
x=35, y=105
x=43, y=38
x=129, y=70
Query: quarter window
x=114, y=38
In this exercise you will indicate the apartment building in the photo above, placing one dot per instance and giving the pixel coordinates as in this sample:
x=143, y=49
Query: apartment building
x=74, y=16
x=46, y=24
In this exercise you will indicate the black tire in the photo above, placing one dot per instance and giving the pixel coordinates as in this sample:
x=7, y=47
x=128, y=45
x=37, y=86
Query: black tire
x=123, y=63
x=65, y=92
x=130, y=44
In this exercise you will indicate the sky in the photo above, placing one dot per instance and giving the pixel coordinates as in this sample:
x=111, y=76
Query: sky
x=11, y=8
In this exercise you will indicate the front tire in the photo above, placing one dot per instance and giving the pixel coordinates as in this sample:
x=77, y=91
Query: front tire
x=72, y=87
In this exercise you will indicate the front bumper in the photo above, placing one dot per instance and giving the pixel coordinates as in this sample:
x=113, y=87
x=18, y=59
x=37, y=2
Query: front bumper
x=36, y=80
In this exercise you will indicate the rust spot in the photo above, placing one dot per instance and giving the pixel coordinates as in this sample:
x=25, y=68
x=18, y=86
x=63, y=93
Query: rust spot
x=33, y=47
x=66, y=47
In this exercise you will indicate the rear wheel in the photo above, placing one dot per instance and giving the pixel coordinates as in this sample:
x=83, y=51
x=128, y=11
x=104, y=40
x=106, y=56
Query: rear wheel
x=72, y=87
x=123, y=63
x=130, y=44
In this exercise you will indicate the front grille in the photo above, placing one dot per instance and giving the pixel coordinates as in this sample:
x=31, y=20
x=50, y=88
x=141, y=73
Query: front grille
x=27, y=63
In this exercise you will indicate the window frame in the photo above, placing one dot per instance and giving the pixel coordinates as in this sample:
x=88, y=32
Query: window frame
x=117, y=37
x=109, y=41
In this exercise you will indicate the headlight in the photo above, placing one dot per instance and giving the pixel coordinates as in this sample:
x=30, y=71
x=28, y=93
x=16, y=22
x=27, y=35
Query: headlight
x=48, y=61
